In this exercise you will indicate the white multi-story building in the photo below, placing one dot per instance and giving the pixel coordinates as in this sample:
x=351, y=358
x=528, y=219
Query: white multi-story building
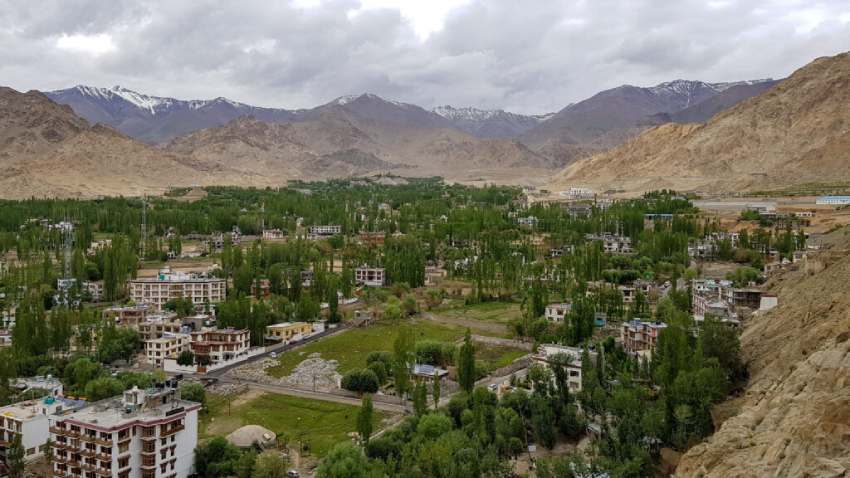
x=143, y=434
x=325, y=230
x=31, y=420
x=213, y=346
x=169, y=346
x=546, y=352
x=557, y=312
x=170, y=285
x=370, y=276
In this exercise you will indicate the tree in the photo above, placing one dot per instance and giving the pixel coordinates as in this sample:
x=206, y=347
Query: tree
x=103, y=387
x=269, y=464
x=15, y=458
x=420, y=399
x=216, y=458
x=186, y=358
x=194, y=392
x=404, y=348
x=435, y=390
x=364, y=419
x=345, y=461
x=361, y=381
x=466, y=364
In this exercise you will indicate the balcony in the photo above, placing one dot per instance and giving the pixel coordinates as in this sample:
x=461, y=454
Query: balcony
x=64, y=432
x=61, y=459
x=103, y=441
x=88, y=452
x=104, y=457
x=172, y=431
x=103, y=471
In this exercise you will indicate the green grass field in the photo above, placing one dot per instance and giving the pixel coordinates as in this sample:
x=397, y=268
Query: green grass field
x=350, y=348
x=320, y=425
x=501, y=312
x=495, y=357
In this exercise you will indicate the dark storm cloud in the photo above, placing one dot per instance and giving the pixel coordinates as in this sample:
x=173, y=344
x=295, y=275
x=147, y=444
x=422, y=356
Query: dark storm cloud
x=531, y=56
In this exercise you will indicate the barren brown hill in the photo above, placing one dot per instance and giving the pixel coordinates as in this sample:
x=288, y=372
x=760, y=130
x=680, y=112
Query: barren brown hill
x=338, y=143
x=46, y=150
x=795, y=133
x=794, y=416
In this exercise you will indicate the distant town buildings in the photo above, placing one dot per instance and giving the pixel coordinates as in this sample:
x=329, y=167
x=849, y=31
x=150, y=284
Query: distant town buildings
x=325, y=230
x=273, y=234
x=833, y=200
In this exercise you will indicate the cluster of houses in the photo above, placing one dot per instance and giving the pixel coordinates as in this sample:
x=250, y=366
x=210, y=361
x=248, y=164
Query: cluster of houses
x=720, y=299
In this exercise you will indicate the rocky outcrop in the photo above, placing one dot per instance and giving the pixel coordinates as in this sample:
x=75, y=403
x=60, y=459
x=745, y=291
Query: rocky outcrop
x=794, y=416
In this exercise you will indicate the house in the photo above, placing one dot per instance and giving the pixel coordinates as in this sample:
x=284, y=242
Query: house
x=289, y=331
x=216, y=346
x=168, y=285
x=128, y=316
x=557, y=312
x=428, y=372
x=326, y=230
x=580, y=210
x=31, y=420
x=370, y=276
x=530, y=221
x=833, y=200
x=546, y=352
x=640, y=336
x=168, y=346
x=261, y=289
x=768, y=301
x=273, y=234
x=372, y=238
x=95, y=289
x=48, y=383
x=156, y=327
x=144, y=433
x=306, y=278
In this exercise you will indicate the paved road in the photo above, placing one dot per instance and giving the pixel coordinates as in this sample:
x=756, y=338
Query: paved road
x=326, y=396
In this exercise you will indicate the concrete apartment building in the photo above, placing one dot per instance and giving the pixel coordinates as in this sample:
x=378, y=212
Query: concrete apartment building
x=130, y=315
x=640, y=337
x=30, y=420
x=169, y=346
x=168, y=285
x=370, y=276
x=142, y=434
x=220, y=345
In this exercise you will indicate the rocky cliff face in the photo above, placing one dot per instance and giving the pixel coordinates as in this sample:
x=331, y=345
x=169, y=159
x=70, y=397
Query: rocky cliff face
x=794, y=416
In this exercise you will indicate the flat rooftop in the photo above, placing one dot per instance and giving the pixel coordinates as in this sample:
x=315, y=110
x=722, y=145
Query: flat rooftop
x=110, y=414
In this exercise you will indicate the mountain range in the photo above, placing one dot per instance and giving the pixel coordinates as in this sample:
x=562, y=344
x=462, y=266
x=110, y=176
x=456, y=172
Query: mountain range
x=796, y=132
x=219, y=141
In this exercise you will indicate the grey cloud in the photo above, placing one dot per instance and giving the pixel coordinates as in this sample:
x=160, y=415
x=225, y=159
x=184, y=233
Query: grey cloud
x=532, y=57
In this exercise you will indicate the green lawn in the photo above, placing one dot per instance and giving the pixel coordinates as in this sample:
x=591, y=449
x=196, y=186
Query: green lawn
x=502, y=312
x=350, y=348
x=494, y=357
x=319, y=424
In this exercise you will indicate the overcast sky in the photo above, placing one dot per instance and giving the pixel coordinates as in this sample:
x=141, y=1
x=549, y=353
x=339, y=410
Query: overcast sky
x=528, y=56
